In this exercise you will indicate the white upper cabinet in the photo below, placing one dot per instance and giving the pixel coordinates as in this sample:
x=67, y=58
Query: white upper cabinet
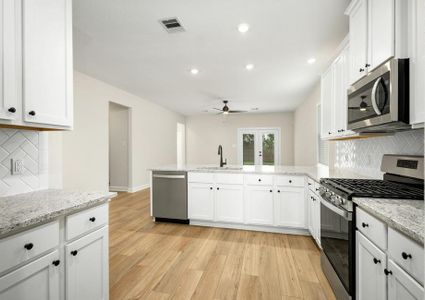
x=358, y=39
x=47, y=61
x=327, y=103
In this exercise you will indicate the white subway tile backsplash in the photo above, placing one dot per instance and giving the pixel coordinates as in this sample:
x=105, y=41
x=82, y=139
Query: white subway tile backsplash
x=31, y=147
x=363, y=156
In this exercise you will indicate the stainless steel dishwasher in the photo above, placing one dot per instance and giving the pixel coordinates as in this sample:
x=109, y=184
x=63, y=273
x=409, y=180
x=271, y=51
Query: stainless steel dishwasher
x=169, y=196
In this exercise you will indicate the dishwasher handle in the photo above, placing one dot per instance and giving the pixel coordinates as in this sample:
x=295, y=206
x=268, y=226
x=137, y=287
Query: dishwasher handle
x=169, y=176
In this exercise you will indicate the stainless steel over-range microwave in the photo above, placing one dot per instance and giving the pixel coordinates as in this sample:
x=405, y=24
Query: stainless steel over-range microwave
x=379, y=102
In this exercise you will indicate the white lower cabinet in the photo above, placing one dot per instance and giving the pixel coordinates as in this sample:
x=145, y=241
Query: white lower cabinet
x=201, y=201
x=229, y=203
x=36, y=280
x=259, y=205
x=401, y=285
x=290, y=207
x=87, y=267
x=370, y=266
x=314, y=215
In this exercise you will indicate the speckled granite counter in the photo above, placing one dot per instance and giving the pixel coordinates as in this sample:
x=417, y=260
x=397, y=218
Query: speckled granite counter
x=406, y=216
x=29, y=209
x=314, y=172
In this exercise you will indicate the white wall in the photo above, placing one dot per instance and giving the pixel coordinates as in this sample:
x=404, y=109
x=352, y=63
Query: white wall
x=85, y=149
x=118, y=147
x=305, y=128
x=205, y=132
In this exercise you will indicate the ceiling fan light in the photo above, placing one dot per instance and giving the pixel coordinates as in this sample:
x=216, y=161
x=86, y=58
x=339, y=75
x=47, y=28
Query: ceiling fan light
x=225, y=112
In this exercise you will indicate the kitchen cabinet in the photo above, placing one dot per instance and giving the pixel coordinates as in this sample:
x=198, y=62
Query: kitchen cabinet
x=259, y=205
x=290, y=207
x=201, y=201
x=229, y=204
x=36, y=280
x=370, y=266
x=37, y=69
x=86, y=266
x=401, y=285
x=327, y=105
x=314, y=216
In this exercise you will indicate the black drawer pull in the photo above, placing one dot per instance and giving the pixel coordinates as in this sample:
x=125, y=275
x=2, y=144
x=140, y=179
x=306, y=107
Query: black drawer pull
x=12, y=110
x=271, y=191
x=32, y=113
x=74, y=252
x=29, y=246
x=56, y=262
x=376, y=261
x=259, y=179
x=364, y=225
x=386, y=272
x=210, y=187
x=278, y=191
x=218, y=189
x=290, y=181
x=405, y=255
x=92, y=219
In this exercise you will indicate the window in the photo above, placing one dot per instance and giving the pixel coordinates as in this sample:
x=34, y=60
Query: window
x=259, y=146
x=322, y=145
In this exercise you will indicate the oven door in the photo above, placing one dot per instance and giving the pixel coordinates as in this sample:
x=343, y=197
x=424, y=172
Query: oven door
x=337, y=240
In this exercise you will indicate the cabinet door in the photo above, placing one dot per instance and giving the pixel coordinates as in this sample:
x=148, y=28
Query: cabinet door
x=9, y=108
x=401, y=285
x=259, y=205
x=326, y=103
x=358, y=40
x=290, y=207
x=87, y=267
x=201, y=201
x=316, y=219
x=381, y=26
x=47, y=61
x=340, y=93
x=36, y=280
x=370, y=265
x=229, y=203
x=311, y=213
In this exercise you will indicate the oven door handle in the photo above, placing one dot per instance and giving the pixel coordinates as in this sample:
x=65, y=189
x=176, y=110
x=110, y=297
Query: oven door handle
x=373, y=96
x=345, y=214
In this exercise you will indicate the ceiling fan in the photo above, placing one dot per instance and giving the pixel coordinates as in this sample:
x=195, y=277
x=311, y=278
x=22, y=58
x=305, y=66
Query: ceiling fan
x=226, y=110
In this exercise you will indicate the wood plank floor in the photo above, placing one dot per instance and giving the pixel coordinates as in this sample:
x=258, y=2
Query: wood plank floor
x=168, y=261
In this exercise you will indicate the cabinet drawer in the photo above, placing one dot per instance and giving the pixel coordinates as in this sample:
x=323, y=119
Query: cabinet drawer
x=86, y=220
x=229, y=178
x=407, y=253
x=23, y=246
x=374, y=229
x=200, y=177
x=259, y=179
x=290, y=180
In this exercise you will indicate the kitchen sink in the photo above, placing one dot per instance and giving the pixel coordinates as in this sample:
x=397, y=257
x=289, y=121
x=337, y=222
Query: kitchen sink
x=221, y=168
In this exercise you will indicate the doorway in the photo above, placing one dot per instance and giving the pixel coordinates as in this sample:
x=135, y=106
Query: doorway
x=119, y=148
x=259, y=146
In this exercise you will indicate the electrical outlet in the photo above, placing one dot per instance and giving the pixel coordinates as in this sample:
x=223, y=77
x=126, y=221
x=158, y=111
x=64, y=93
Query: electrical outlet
x=17, y=166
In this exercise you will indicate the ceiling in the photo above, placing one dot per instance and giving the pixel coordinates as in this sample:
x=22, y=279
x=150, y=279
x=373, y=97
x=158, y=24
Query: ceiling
x=123, y=43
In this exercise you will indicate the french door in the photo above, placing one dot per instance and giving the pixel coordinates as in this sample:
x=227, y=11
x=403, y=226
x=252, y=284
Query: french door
x=259, y=146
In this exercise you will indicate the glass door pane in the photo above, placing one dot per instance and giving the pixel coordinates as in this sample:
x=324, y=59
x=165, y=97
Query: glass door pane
x=268, y=151
x=248, y=148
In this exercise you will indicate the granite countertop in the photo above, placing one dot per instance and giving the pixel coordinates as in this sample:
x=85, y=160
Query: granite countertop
x=406, y=216
x=314, y=172
x=24, y=210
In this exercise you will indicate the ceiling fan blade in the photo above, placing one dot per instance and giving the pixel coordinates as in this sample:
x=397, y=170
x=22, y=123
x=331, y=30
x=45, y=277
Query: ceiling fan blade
x=237, y=111
x=217, y=109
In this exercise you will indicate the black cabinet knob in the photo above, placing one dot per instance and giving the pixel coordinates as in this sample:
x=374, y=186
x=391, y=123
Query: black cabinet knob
x=290, y=181
x=92, y=219
x=12, y=110
x=361, y=70
x=56, y=262
x=218, y=189
x=29, y=246
x=405, y=255
x=329, y=132
x=367, y=65
x=74, y=252
x=32, y=113
x=210, y=187
x=364, y=225
x=259, y=179
x=309, y=183
x=376, y=261
x=387, y=272
x=271, y=191
x=278, y=191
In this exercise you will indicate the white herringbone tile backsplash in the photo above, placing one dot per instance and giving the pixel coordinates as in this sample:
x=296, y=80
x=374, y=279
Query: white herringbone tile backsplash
x=363, y=156
x=31, y=147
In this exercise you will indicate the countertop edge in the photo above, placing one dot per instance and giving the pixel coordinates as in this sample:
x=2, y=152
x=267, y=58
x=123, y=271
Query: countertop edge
x=418, y=238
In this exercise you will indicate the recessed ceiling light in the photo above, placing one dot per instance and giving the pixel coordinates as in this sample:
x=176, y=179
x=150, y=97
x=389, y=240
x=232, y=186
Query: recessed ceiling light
x=194, y=71
x=311, y=60
x=249, y=66
x=243, y=27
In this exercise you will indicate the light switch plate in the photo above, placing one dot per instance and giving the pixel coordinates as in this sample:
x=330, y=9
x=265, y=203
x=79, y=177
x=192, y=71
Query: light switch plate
x=17, y=166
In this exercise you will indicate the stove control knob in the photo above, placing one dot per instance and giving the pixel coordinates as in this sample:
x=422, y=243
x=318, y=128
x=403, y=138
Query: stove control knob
x=328, y=195
x=338, y=201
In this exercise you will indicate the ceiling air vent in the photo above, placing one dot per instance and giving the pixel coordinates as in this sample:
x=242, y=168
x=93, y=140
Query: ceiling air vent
x=172, y=25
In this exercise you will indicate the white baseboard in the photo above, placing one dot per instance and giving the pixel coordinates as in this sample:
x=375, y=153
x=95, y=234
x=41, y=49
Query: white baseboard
x=263, y=228
x=118, y=189
x=138, y=188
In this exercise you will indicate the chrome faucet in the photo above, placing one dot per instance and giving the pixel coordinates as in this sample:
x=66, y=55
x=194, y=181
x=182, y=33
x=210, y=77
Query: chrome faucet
x=220, y=152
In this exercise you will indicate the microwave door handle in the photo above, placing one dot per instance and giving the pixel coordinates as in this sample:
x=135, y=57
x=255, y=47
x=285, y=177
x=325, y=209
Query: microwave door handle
x=373, y=97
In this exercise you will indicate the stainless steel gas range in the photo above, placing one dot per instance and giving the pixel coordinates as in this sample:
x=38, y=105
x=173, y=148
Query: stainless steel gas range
x=403, y=179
